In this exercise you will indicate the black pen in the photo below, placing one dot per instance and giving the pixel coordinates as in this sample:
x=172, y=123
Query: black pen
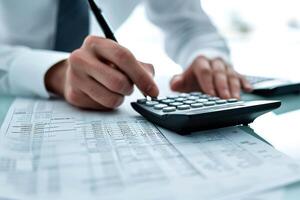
x=101, y=20
x=103, y=24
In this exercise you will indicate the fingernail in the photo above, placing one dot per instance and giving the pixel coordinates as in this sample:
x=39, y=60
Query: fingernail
x=236, y=95
x=177, y=78
x=226, y=94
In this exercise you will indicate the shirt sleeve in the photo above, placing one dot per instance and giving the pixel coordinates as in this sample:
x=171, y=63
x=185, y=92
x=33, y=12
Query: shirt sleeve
x=22, y=70
x=188, y=30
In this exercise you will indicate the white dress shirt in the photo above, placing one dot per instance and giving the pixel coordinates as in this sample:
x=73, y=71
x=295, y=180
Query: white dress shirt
x=28, y=27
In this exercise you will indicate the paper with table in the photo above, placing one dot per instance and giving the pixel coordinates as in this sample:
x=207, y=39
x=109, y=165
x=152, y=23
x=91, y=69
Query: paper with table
x=52, y=150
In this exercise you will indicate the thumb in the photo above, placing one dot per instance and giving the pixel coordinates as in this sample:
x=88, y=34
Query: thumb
x=177, y=83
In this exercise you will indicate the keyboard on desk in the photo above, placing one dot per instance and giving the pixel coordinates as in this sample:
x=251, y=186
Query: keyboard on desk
x=195, y=111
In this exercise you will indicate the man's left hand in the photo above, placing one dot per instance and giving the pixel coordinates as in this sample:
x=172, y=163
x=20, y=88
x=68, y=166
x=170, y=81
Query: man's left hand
x=213, y=77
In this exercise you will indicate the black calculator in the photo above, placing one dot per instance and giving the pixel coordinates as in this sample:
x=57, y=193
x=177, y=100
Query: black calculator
x=188, y=112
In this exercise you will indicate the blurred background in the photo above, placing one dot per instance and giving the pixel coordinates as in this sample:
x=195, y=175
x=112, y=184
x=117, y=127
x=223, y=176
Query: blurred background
x=263, y=35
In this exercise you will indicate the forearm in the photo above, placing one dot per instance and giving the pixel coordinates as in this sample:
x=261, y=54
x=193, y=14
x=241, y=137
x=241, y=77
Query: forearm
x=187, y=28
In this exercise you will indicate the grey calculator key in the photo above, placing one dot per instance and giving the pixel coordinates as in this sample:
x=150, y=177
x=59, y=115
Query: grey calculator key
x=196, y=93
x=183, y=107
x=151, y=103
x=209, y=103
x=184, y=95
x=176, y=104
x=160, y=106
x=189, y=102
x=193, y=98
x=232, y=100
x=169, y=109
x=197, y=105
x=160, y=98
x=205, y=96
x=201, y=100
x=172, y=97
x=142, y=101
x=222, y=101
x=180, y=99
x=167, y=101
x=213, y=98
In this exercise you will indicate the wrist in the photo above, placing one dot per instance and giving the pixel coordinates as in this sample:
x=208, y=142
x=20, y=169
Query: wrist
x=55, y=78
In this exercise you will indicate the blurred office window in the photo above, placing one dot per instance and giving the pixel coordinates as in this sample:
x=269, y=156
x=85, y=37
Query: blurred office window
x=263, y=35
x=268, y=19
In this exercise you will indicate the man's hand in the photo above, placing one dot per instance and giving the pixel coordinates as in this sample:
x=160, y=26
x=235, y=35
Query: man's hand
x=99, y=75
x=213, y=77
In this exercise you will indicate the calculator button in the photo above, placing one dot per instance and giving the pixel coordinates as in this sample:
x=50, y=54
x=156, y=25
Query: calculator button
x=189, y=102
x=221, y=101
x=180, y=99
x=169, y=109
x=183, y=107
x=167, y=101
x=196, y=93
x=184, y=95
x=209, y=103
x=176, y=104
x=205, y=96
x=197, y=105
x=142, y=101
x=151, y=103
x=213, y=98
x=202, y=100
x=172, y=97
x=193, y=98
x=160, y=106
x=232, y=100
x=160, y=98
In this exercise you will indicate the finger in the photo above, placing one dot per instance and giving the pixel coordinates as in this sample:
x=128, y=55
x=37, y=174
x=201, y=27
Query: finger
x=177, y=83
x=234, y=82
x=124, y=60
x=220, y=78
x=245, y=84
x=204, y=75
x=101, y=94
x=79, y=99
x=184, y=83
x=104, y=73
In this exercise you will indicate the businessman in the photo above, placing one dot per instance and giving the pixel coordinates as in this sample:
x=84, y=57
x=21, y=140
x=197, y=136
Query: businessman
x=46, y=49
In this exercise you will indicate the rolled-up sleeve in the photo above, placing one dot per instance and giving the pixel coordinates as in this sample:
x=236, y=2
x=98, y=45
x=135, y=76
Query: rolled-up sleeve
x=188, y=30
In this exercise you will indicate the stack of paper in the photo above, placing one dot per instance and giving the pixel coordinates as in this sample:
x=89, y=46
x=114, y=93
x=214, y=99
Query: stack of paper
x=50, y=150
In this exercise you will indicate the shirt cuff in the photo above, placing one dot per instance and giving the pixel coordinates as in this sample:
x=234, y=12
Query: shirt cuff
x=209, y=54
x=28, y=70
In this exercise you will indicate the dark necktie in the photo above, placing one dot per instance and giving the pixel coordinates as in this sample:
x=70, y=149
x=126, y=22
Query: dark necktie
x=72, y=24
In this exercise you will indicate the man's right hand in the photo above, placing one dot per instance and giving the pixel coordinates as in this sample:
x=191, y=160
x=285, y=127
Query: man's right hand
x=99, y=75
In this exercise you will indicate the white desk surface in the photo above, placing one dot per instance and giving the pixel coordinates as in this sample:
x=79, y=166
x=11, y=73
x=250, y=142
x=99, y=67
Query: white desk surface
x=252, y=57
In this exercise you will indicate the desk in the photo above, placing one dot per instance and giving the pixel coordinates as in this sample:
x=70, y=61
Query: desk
x=291, y=102
x=262, y=64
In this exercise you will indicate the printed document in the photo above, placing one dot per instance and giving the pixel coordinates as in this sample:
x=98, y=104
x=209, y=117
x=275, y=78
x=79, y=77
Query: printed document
x=50, y=150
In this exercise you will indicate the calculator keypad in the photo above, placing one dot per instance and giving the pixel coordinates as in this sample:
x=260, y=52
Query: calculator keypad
x=184, y=102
